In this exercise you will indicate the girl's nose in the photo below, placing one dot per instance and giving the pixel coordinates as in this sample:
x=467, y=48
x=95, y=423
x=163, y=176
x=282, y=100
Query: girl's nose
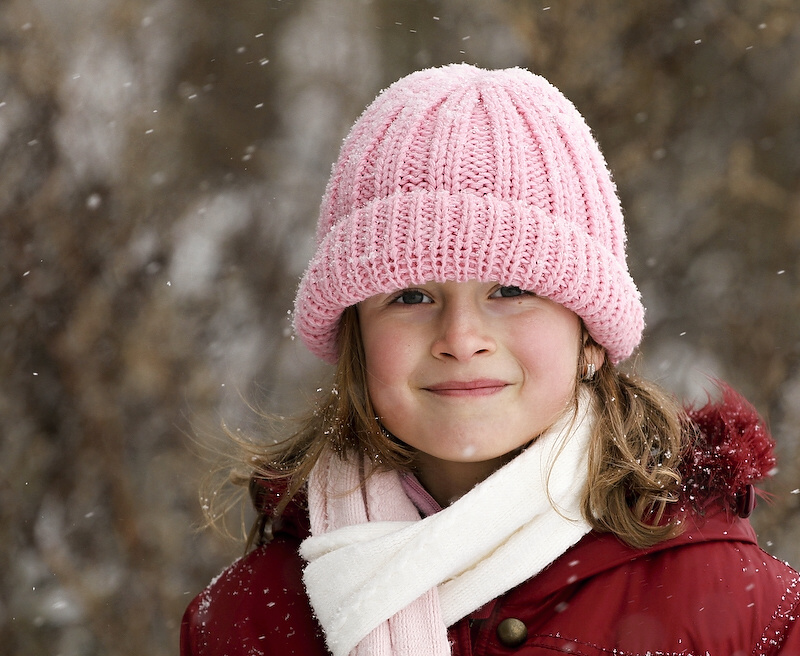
x=463, y=332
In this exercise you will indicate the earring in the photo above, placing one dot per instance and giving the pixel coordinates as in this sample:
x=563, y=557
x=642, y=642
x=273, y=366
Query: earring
x=590, y=371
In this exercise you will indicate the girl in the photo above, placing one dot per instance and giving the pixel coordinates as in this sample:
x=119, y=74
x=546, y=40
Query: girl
x=482, y=478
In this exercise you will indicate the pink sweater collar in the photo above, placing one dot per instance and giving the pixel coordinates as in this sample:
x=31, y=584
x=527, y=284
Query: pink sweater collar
x=418, y=495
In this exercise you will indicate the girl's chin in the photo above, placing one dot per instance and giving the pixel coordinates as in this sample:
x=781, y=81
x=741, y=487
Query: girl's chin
x=470, y=455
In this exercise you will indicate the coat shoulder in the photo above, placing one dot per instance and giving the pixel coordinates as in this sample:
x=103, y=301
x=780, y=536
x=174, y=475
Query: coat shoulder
x=257, y=606
x=710, y=596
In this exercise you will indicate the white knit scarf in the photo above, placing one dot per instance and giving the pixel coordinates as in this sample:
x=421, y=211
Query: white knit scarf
x=383, y=582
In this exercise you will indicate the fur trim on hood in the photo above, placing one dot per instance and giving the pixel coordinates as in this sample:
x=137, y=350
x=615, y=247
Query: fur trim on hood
x=731, y=450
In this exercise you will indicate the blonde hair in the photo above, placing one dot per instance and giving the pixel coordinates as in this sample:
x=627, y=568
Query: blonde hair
x=639, y=439
x=636, y=447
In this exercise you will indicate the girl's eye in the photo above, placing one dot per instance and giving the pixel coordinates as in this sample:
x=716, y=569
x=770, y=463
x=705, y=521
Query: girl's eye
x=412, y=297
x=508, y=292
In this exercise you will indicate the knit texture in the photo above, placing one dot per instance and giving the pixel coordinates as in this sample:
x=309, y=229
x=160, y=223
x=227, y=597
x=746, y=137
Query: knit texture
x=458, y=173
x=383, y=582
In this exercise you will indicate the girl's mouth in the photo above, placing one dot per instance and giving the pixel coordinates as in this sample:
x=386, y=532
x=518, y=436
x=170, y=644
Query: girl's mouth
x=477, y=387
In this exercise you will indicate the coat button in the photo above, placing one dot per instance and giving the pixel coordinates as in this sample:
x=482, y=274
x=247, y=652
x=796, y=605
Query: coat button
x=512, y=632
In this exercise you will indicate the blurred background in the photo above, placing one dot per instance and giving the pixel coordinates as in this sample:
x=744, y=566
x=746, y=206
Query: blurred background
x=161, y=164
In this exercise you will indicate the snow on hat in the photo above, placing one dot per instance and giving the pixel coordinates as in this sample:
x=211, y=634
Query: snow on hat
x=459, y=173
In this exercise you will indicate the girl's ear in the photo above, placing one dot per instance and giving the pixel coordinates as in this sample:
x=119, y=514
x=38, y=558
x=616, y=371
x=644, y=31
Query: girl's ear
x=593, y=353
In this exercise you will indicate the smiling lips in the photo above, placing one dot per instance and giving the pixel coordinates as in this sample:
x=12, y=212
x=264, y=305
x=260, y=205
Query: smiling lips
x=480, y=387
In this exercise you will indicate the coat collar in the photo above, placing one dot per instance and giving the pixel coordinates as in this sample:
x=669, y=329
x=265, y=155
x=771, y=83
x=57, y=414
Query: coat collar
x=598, y=553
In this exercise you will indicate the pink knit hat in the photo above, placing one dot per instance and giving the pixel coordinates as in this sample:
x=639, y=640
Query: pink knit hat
x=458, y=173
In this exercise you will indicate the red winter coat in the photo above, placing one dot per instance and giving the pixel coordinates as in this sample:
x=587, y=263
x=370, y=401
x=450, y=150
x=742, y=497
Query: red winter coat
x=709, y=592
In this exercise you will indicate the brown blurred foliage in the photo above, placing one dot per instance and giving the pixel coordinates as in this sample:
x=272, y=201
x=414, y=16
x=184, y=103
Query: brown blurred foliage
x=161, y=162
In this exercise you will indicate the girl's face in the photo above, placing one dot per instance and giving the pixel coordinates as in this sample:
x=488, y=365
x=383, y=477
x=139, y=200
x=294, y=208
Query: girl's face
x=469, y=372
